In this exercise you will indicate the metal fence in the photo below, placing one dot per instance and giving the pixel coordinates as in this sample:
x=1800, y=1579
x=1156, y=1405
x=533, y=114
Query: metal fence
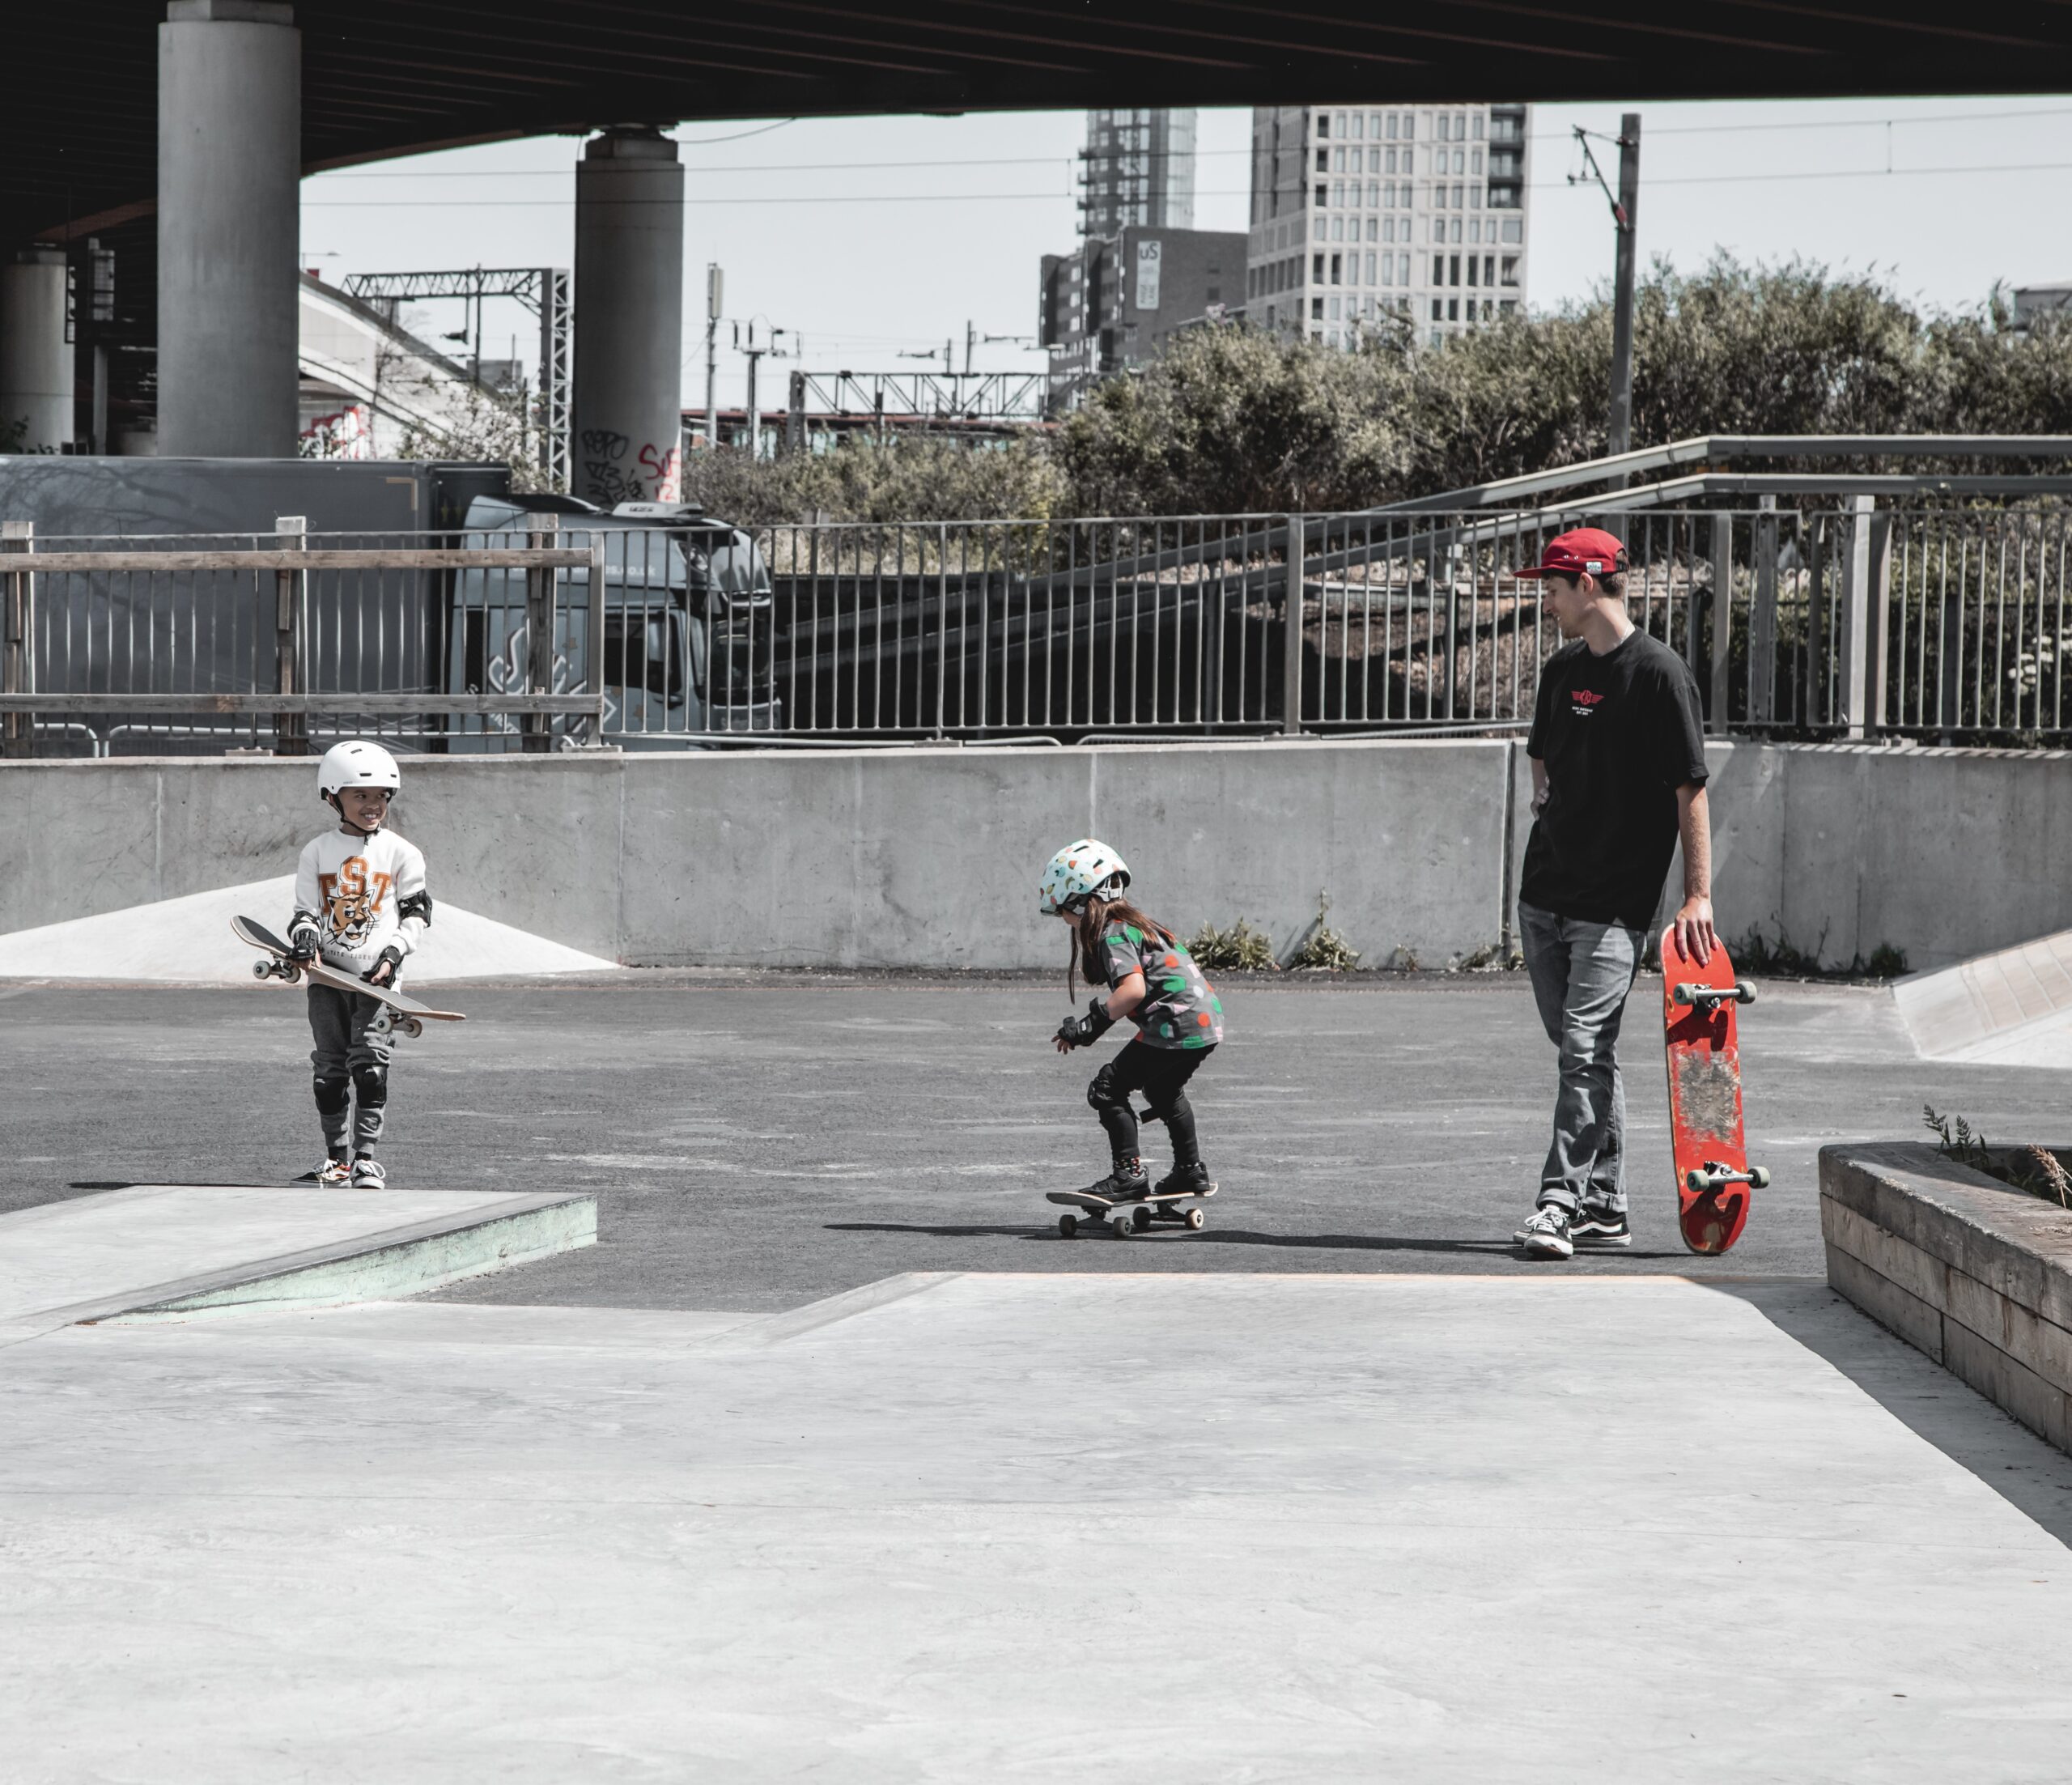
x=1810, y=620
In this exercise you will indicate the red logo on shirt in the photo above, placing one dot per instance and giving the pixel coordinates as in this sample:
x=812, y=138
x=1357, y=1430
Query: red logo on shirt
x=1586, y=697
x=1586, y=701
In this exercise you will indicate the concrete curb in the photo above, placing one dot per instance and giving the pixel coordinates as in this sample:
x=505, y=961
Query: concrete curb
x=755, y=1333
x=1976, y=1275
x=403, y=1262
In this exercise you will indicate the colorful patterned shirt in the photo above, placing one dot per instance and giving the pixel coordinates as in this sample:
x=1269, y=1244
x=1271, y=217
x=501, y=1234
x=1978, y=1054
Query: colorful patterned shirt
x=1180, y=1008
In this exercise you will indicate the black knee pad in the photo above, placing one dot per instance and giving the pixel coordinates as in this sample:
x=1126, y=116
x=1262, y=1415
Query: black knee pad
x=371, y=1083
x=1101, y=1092
x=332, y=1089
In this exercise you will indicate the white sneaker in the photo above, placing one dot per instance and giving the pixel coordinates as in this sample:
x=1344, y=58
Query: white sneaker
x=367, y=1174
x=1546, y=1233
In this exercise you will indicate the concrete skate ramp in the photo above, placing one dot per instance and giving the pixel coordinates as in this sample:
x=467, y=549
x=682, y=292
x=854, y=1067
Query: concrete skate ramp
x=1122, y=1528
x=2011, y=1007
x=165, y=1249
x=189, y=940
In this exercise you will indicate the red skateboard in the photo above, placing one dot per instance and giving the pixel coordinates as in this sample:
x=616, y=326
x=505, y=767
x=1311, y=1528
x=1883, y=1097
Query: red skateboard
x=1713, y=1176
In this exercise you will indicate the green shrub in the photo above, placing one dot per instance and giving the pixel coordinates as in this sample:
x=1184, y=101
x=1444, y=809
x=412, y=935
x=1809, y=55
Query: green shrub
x=1323, y=950
x=1241, y=946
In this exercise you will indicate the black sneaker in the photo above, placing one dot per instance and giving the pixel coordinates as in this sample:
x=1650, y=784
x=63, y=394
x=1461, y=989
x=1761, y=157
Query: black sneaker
x=1185, y=1180
x=1599, y=1230
x=1129, y=1182
x=1545, y=1233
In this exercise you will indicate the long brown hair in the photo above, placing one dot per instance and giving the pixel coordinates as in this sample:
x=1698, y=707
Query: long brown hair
x=1088, y=925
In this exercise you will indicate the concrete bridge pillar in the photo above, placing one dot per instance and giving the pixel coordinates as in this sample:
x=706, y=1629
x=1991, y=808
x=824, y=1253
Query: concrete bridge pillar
x=230, y=172
x=36, y=359
x=628, y=420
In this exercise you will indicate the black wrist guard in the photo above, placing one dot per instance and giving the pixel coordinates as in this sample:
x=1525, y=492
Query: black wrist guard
x=390, y=957
x=1082, y=1031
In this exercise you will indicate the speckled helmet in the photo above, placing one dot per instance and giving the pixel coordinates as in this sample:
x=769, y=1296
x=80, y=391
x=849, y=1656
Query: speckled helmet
x=1078, y=872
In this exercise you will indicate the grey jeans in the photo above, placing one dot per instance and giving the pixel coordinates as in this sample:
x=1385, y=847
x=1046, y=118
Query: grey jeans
x=351, y=1065
x=1580, y=974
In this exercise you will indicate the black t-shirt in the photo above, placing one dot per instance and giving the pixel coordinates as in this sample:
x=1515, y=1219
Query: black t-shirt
x=1618, y=734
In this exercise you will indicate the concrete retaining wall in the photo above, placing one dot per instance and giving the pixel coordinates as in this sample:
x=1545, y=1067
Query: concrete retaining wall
x=929, y=857
x=849, y=858
x=1975, y=1274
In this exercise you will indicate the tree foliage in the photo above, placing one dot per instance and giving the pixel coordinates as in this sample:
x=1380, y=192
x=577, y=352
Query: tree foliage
x=1233, y=420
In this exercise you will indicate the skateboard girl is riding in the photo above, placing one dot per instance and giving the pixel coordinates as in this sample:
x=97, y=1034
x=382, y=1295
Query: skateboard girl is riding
x=1153, y=982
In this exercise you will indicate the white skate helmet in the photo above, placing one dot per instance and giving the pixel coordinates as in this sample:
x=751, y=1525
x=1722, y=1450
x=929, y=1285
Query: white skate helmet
x=356, y=763
x=1081, y=871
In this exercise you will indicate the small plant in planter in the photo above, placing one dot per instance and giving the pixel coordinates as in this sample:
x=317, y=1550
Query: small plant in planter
x=2035, y=1170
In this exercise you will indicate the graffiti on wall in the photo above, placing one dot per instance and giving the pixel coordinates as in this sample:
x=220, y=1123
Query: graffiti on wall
x=613, y=472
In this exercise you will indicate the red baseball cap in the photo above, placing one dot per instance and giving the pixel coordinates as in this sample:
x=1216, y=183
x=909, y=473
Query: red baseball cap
x=1586, y=548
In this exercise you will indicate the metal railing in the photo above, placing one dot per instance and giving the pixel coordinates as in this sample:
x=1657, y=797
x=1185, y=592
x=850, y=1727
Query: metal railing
x=1861, y=617
x=277, y=638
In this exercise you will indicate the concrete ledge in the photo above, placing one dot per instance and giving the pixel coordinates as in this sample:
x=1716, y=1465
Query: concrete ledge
x=1977, y=1276
x=426, y=1255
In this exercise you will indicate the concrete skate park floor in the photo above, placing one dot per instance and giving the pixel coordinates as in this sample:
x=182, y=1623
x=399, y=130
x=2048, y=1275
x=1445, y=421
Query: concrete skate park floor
x=1334, y=1490
x=1136, y=1528
x=757, y=1142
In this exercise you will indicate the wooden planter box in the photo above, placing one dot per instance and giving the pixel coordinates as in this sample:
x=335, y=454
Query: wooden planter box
x=1976, y=1275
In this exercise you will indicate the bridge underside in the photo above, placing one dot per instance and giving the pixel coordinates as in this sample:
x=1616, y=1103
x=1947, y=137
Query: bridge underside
x=384, y=78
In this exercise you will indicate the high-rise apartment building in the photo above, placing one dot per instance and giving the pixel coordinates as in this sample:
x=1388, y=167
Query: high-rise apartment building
x=1138, y=167
x=1363, y=214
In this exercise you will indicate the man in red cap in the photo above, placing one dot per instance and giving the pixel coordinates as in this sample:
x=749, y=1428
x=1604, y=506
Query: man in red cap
x=1618, y=774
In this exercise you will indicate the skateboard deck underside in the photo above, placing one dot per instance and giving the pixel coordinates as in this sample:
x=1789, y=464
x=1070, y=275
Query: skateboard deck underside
x=260, y=937
x=1133, y=1214
x=1704, y=1055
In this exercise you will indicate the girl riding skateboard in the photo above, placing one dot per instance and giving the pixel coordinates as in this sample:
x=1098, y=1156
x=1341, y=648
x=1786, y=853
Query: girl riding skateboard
x=1152, y=981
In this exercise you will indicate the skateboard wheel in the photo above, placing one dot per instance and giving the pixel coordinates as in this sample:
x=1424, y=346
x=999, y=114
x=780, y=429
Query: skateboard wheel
x=1195, y=1220
x=1140, y=1218
x=1758, y=1177
x=1697, y=1183
x=1121, y=1226
x=1068, y=1226
x=1684, y=992
x=1745, y=991
x=411, y=1026
x=262, y=970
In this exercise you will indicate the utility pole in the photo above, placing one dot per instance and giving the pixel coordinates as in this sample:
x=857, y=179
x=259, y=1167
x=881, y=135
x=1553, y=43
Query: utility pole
x=970, y=340
x=1622, y=284
x=715, y=289
x=754, y=354
x=1619, y=428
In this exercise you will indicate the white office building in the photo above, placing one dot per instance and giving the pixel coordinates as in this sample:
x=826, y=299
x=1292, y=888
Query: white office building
x=1362, y=214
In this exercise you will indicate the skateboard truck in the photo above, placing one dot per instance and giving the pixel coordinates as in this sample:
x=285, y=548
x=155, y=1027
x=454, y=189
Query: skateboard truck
x=1709, y=997
x=1717, y=1176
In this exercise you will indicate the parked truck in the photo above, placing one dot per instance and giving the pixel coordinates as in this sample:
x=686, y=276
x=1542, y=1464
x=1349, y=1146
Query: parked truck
x=686, y=650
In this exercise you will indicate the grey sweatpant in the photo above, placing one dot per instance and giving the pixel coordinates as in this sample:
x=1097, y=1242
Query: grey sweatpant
x=1580, y=974
x=348, y=1061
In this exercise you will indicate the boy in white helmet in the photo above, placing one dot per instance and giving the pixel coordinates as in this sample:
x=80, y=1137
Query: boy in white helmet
x=1153, y=981
x=360, y=906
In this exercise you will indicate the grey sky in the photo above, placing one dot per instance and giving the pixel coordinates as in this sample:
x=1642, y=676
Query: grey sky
x=878, y=238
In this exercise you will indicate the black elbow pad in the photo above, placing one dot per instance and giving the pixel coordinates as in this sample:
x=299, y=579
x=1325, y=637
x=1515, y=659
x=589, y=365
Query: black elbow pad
x=416, y=904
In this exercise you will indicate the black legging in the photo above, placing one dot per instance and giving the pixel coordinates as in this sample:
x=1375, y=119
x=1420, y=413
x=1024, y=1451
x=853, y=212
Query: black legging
x=1161, y=1074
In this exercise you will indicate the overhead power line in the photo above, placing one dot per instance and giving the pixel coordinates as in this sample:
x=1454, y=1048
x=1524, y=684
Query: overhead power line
x=694, y=201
